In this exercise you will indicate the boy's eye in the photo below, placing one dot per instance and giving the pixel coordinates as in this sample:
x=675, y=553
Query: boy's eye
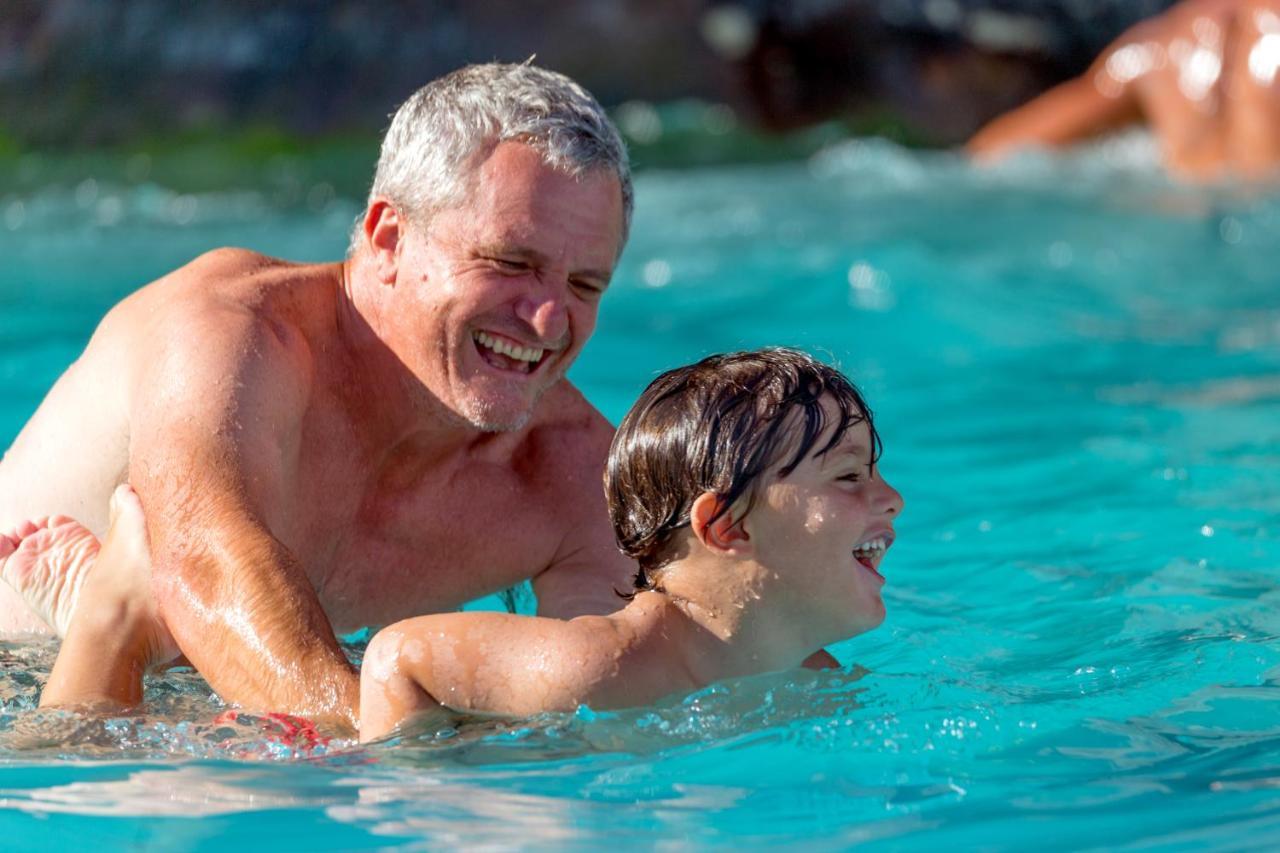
x=851, y=477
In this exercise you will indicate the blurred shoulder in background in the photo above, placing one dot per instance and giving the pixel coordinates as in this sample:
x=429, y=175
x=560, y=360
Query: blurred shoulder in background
x=1201, y=76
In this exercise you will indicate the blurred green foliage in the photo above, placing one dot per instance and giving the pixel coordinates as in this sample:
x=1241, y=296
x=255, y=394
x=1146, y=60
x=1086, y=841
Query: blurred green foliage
x=684, y=134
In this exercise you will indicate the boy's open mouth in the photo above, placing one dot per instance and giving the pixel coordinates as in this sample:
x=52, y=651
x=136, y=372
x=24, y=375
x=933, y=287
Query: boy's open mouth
x=869, y=553
x=505, y=354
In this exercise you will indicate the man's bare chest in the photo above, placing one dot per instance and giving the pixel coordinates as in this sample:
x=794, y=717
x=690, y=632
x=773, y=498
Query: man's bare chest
x=379, y=551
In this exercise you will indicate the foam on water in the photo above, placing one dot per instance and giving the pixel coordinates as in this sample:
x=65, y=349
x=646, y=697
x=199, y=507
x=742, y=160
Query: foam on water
x=1075, y=365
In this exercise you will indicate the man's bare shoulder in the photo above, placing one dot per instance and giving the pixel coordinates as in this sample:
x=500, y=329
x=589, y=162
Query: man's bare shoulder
x=225, y=303
x=226, y=284
x=229, y=316
x=565, y=417
x=570, y=436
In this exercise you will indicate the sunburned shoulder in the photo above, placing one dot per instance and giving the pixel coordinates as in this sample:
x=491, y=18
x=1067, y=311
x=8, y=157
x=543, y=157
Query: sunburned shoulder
x=241, y=281
x=231, y=295
x=566, y=435
x=228, y=313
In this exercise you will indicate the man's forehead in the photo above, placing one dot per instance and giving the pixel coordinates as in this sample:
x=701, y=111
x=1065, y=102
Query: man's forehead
x=531, y=205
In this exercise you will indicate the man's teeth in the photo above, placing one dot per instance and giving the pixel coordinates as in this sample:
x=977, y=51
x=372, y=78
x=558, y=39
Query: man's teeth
x=872, y=548
x=531, y=354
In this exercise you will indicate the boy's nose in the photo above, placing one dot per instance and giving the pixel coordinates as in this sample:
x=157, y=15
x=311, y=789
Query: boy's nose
x=890, y=499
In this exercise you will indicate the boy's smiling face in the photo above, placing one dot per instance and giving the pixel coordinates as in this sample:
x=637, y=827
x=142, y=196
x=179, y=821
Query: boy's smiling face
x=822, y=531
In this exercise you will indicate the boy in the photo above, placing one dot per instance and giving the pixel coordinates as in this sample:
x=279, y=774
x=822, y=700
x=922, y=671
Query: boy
x=744, y=486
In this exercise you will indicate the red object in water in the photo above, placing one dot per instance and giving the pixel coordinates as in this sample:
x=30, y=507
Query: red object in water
x=297, y=732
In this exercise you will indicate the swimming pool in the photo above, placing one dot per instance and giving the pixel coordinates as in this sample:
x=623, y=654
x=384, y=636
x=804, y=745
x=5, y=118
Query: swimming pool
x=1076, y=369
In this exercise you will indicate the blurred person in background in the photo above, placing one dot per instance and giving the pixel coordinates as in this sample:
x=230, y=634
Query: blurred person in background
x=1201, y=76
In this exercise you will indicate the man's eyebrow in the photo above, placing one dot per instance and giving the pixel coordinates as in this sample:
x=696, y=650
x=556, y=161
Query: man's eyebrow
x=602, y=276
x=507, y=250
x=524, y=253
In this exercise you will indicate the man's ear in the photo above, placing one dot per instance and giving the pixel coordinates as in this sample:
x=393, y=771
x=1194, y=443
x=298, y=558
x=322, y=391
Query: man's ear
x=384, y=229
x=725, y=535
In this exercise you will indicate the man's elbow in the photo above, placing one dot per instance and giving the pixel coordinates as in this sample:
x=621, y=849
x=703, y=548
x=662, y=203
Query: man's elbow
x=185, y=587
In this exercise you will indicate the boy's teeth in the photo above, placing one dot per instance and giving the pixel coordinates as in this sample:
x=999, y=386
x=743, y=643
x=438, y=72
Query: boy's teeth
x=531, y=354
x=875, y=546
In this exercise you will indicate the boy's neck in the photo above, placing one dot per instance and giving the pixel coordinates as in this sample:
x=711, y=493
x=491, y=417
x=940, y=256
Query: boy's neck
x=735, y=627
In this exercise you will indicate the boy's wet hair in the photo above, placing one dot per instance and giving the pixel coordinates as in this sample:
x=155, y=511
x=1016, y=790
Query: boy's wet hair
x=717, y=426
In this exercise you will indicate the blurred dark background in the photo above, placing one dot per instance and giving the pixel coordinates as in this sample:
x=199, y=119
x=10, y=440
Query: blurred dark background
x=688, y=80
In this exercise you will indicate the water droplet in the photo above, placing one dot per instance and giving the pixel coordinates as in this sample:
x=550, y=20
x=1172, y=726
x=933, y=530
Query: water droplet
x=656, y=273
x=1060, y=255
x=15, y=215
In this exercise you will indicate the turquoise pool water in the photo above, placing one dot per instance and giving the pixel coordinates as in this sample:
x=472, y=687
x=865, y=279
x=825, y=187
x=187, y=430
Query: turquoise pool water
x=1076, y=369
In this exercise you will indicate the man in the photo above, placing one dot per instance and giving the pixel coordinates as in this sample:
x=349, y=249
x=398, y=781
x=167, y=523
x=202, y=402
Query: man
x=321, y=447
x=1202, y=75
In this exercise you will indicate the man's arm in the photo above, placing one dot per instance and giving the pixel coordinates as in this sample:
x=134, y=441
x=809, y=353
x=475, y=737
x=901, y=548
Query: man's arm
x=585, y=581
x=588, y=571
x=217, y=407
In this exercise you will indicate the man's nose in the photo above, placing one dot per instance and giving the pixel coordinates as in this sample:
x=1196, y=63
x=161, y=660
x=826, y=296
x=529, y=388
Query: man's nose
x=544, y=306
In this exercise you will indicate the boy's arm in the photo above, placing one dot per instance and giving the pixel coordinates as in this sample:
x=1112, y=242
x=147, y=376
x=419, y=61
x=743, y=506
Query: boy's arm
x=494, y=663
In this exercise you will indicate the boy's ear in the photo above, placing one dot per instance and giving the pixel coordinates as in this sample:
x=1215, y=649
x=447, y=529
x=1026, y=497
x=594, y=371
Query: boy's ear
x=384, y=229
x=725, y=535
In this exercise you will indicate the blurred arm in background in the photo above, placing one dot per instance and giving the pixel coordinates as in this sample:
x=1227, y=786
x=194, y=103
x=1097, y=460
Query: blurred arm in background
x=1202, y=76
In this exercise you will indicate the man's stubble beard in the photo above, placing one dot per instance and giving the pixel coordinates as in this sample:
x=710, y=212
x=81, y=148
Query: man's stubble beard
x=480, y=415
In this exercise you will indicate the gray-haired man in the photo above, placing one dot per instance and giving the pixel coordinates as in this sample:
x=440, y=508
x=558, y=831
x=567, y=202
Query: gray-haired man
x=322, y=447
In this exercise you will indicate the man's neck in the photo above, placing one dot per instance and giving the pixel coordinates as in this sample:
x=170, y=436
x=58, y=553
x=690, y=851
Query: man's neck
x=404, y=418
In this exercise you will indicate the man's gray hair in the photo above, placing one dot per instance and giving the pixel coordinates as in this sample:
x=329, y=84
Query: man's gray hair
x=430, y=149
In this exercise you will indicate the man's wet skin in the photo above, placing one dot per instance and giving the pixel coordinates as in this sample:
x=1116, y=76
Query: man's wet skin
x=1203, y=76
x=315, y=443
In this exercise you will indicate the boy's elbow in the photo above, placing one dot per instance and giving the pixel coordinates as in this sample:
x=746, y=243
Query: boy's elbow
x=389, y=692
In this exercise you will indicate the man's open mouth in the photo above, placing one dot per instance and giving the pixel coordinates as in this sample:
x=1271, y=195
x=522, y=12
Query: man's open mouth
x=869, y=553
x=504, y=354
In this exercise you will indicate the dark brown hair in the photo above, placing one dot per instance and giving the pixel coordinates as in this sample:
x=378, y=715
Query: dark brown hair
x=717, y=426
